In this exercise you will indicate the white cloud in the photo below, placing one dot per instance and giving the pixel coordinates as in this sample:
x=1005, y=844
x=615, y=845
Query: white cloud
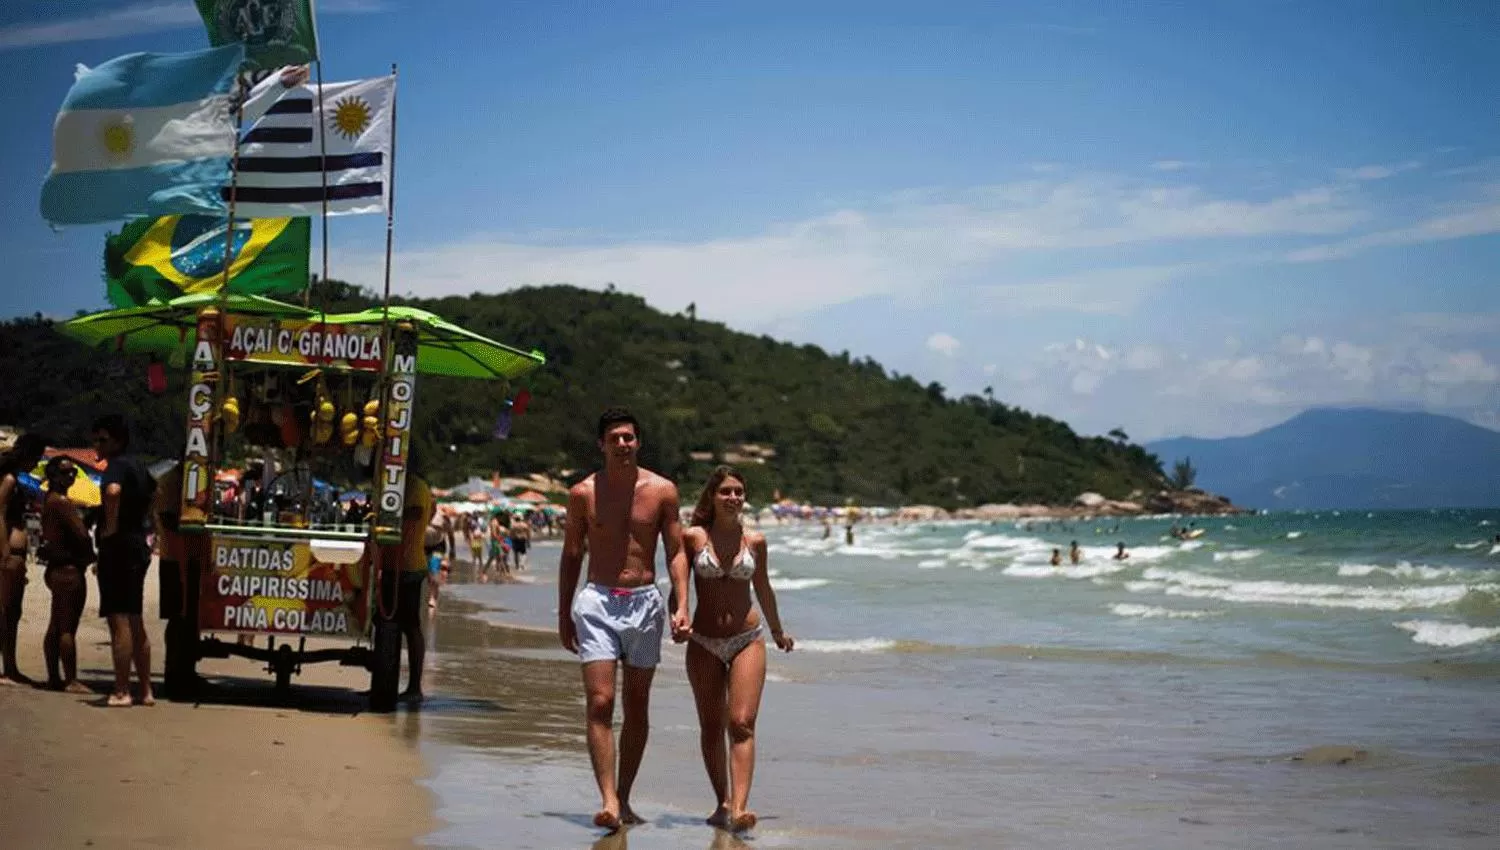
x=1464, y=367
x=137, y=19
x=943, y=344
x=1171, y=165
x=1476, y=219
x=914, y=241
x=1377, y=172
x=1154, y=392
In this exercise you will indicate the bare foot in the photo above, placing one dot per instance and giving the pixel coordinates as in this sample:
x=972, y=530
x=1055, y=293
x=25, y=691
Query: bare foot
x=5, y=680
x=628, y=815
x=148, y=699
x=54, y=684
x=720, y=817
x=77, y=687
x=606, y=819
x=118, y=701
x=16, y=678
x=742, y=821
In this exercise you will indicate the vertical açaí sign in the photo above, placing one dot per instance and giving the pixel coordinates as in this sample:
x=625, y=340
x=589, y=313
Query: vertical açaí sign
x=197, y=482
x=400, y=399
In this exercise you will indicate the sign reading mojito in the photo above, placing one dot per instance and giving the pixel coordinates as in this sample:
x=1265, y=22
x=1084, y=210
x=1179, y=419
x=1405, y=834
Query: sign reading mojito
x=267, y=584
x=401, y=391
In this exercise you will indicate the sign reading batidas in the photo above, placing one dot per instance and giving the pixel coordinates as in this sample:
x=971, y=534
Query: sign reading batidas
x=274, y=585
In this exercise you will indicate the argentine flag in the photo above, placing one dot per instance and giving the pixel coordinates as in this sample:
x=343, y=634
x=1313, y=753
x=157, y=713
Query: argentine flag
x=146, y=134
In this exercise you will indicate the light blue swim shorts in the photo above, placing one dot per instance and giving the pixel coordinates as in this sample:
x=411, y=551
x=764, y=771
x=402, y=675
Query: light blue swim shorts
x=620, y=623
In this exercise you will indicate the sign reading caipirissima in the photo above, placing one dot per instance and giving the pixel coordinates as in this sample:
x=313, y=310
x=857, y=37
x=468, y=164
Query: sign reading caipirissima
x=260, y=339
x=257, y=584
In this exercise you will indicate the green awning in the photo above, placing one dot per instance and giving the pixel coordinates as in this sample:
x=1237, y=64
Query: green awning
x=165, y=328
x=444, y=348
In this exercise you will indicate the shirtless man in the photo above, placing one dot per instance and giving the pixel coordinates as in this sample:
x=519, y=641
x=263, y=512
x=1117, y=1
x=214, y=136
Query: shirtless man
x=615, y=517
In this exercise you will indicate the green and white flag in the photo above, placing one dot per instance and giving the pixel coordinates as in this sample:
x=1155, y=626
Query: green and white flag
x=275, y=32
x=158, y=259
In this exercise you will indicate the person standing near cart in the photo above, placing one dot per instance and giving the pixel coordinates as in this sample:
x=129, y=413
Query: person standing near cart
x=124, y=556
x=22, y=457
x=404, y=575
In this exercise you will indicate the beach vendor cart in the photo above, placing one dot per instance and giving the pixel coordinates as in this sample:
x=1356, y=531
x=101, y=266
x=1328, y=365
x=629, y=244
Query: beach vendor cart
x=289, y=401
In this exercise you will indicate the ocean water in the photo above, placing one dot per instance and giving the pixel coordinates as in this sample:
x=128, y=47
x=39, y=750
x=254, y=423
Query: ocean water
x=1334, y=587
x=1308, y=680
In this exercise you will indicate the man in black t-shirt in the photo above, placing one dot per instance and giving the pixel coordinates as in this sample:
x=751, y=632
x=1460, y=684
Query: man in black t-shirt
x=124, y=556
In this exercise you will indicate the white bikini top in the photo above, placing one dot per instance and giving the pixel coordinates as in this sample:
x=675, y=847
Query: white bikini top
x=707, y=565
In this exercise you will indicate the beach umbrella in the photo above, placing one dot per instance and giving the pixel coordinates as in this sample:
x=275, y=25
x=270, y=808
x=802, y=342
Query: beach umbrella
x=168, y=327
x=84, y=491
x=444, y=348
x=530, y=496
x=30, y=484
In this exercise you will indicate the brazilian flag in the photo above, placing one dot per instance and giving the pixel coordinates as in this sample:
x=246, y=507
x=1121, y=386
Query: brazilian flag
x=158, y=259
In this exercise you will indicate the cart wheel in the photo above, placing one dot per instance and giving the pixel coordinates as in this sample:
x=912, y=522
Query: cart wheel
x=284, y=664
x=385, y=666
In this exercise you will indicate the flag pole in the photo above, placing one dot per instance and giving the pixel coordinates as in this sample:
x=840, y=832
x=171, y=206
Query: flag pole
x=323, y=161
x=390, y=203
x=234, y=177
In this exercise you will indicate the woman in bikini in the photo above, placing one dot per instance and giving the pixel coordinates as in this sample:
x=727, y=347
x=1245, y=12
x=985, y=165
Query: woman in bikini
x=726, y=658
x=67, y=550
x=22, y=457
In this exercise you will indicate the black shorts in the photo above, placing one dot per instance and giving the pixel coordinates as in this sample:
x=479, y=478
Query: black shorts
x=520, y=545
x=122, y=575
x=410, y=596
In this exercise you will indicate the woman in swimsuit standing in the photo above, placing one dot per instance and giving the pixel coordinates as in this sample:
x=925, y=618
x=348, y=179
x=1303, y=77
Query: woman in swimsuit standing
x=22, y=457
x=726, y=659
x=68, y=552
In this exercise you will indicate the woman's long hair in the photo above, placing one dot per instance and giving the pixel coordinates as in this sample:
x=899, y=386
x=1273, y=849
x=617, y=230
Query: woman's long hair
x=703, y=514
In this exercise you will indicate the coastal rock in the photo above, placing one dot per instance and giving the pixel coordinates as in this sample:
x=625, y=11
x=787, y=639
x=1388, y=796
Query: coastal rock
x=1191, y=501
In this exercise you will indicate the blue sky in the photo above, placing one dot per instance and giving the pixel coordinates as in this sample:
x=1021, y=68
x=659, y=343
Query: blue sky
x=1177, y=218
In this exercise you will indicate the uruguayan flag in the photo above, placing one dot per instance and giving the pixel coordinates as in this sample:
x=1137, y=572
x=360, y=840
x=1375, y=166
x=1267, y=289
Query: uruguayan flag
x=146, y=134
x=290, y=161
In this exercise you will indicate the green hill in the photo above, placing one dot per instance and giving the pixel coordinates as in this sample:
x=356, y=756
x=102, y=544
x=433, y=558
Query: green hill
x=836, y=426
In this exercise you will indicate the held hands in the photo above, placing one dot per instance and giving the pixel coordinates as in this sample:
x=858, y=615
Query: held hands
x=681, y=626
x=783, y=640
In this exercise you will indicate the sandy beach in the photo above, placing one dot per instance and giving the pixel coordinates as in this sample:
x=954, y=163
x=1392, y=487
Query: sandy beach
x=235, y=770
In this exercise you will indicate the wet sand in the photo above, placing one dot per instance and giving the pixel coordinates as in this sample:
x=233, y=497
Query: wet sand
x=236, y=770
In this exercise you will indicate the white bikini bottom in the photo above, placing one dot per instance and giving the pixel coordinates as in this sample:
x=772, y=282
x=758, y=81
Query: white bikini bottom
x=726, y=648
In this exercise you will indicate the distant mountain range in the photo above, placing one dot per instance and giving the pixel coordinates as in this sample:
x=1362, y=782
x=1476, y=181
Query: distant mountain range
x=1349, y=459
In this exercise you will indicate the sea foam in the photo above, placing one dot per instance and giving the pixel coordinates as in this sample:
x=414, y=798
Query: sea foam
x=1199, y=586
x=861, y=645
x=1437, y=633
x=1152, y=612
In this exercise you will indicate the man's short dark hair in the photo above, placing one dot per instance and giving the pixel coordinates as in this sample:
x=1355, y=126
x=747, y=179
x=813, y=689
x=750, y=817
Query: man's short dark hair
x=114, y=425
x=616, y=416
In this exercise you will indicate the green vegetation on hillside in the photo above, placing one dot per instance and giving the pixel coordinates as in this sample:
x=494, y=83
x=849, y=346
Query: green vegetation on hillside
x=839, y=426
